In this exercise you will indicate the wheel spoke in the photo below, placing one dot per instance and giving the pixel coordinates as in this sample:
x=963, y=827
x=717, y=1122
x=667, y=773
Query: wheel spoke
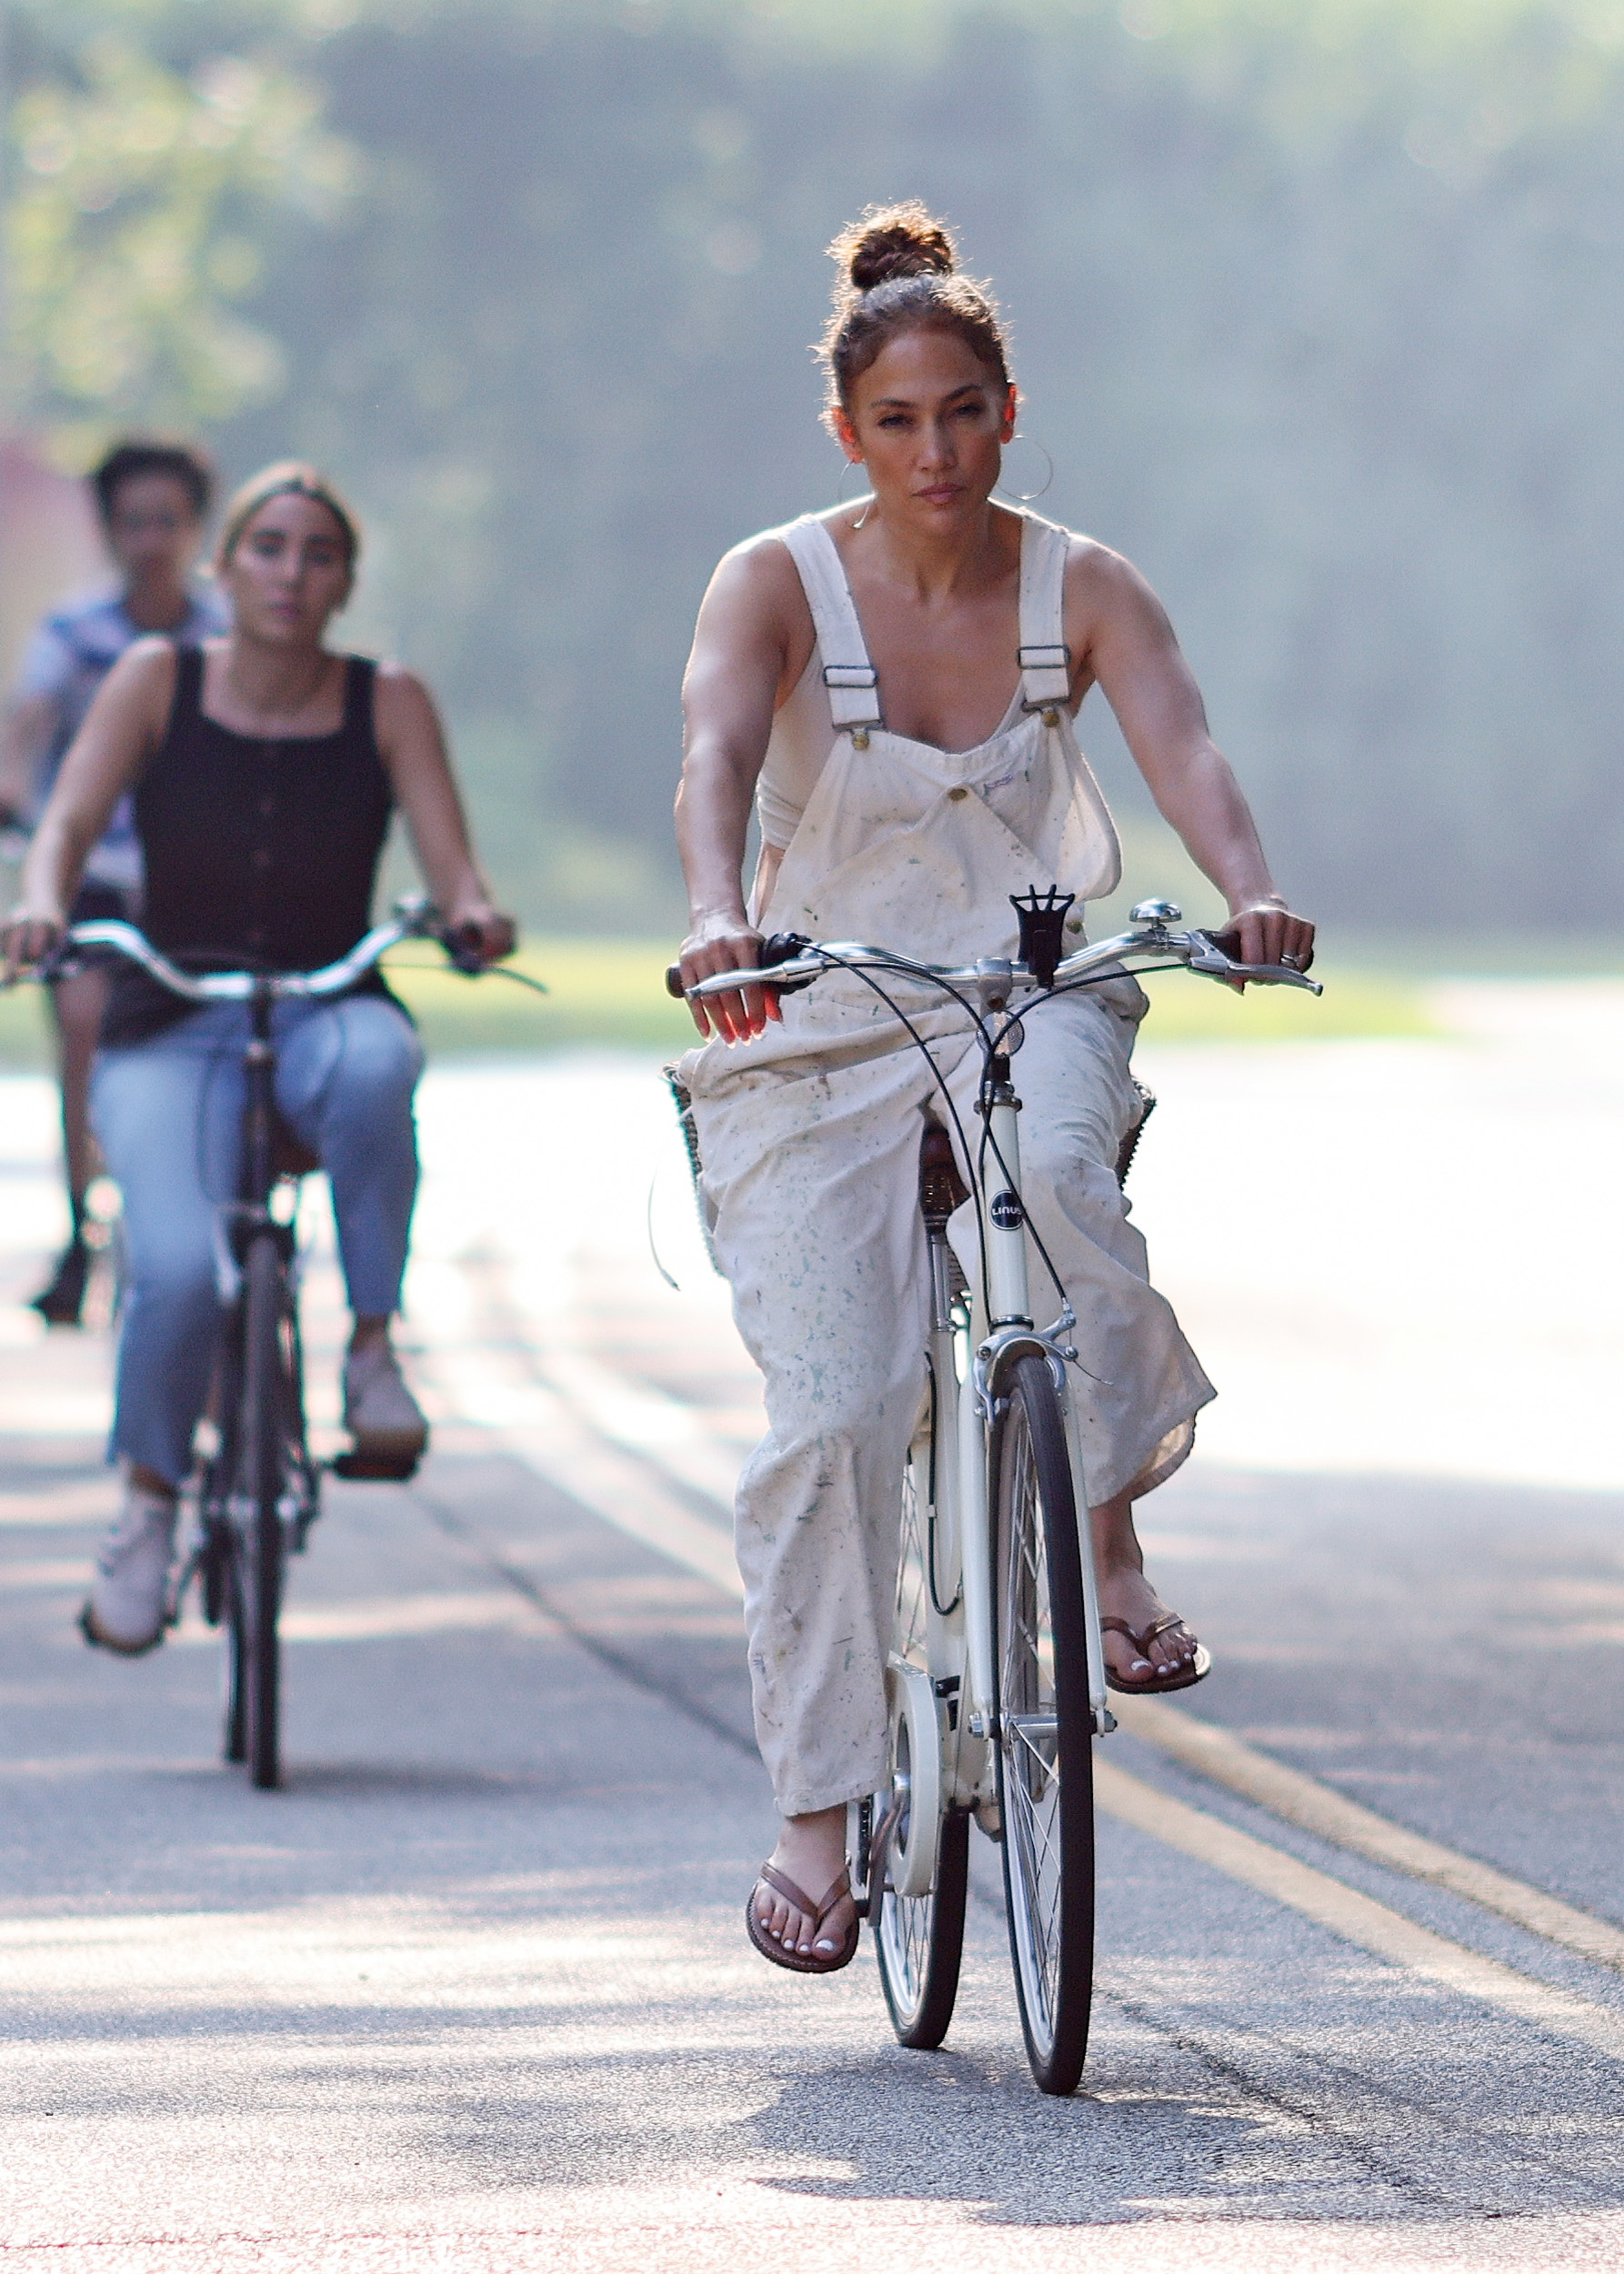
x=918, y=1938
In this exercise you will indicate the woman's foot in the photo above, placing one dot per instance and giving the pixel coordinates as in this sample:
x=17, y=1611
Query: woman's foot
x=61, y=1303
x=379, y=1411
x=129, y=1597
x=1149, y=1656
x=811, y=1856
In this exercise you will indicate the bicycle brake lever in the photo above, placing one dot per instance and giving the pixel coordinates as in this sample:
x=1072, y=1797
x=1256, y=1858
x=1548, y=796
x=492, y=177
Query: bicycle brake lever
x=460, y=956
x=1212, y=963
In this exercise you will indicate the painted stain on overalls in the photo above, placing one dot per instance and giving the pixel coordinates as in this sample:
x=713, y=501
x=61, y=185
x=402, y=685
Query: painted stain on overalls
x=809, y=1137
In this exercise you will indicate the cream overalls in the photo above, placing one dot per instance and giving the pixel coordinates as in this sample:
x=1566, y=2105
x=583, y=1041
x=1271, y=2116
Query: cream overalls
x=809, y=1137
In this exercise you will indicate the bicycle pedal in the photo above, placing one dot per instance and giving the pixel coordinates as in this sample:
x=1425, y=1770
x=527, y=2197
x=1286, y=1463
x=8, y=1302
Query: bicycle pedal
x=375, y=1468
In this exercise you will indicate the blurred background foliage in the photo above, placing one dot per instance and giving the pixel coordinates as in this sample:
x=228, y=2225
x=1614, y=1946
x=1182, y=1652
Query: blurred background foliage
x=1316, y=305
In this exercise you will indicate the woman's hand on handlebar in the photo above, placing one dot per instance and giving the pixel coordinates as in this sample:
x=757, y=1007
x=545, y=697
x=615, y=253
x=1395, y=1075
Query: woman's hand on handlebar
x=729, y=943
x=477, y=934
x=1267, y=931
x=27, y=937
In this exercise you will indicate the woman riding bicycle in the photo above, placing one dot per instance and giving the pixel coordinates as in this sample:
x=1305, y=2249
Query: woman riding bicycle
x=894, y=684
x=265, y=768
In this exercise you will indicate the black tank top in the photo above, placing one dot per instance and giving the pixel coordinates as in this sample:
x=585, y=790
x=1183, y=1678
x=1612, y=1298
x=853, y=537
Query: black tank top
x=258, y=850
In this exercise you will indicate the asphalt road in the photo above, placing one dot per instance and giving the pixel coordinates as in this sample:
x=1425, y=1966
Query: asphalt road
x=472, y=1993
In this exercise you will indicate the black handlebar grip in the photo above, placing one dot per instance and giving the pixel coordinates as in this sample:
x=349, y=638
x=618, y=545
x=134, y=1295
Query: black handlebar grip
x=781, y=948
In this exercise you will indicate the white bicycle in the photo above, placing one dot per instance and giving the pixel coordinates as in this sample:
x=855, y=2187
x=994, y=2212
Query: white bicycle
x=996, y=1681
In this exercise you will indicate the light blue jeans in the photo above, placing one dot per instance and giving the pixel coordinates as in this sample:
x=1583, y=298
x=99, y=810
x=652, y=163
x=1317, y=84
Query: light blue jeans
x=168, y=1115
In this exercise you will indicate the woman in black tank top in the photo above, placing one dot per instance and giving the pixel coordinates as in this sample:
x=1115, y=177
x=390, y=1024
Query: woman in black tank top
x=258, y=849
x=265, y=769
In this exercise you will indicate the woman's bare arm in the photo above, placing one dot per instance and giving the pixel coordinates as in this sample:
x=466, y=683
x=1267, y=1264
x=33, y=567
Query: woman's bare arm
x=737, y=675
x=1120, y=630
x=123, y=728
x=29, y=726
x=412, y=746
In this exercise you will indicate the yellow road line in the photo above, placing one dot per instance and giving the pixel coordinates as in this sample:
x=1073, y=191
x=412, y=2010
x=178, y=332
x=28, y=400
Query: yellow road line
x=1330, y=1816
x=1356, y=1918
x=544, y=1431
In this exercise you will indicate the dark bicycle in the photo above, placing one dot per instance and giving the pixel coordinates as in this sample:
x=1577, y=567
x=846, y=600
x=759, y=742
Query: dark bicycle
x=260, y=1490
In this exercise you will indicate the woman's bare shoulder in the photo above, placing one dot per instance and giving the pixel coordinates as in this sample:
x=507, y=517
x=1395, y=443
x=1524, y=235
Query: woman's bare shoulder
x=762, y=564
x=143, y=679
x=398, y=683
x=757, y=584
x=152, y=657
x=1103, y=586
x=404, y=710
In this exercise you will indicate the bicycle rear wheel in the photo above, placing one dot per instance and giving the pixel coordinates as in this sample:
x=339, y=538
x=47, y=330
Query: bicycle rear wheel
x=918, y=1939
x=236, y=1747
x=256, y=1520
x=1044, y=1749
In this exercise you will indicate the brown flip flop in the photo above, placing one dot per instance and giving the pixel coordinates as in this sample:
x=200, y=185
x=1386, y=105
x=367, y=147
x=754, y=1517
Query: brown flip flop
x=1195, y=1670
x=812, y=1962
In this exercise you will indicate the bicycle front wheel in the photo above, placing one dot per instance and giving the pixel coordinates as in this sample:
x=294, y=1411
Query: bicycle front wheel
x=918, y=1939
x=256, y=1518
x=1044, y=1747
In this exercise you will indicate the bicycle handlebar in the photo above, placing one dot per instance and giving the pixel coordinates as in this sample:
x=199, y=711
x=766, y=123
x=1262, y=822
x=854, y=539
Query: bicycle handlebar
x=413, y=920
x=996, y=978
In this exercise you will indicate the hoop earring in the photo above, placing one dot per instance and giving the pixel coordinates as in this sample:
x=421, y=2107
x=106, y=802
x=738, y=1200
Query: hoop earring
x=840, y=497
x=1026, y=497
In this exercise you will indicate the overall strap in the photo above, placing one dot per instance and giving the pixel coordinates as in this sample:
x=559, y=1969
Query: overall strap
x=851, y=679
x=360, y=674
x=187, y=702
x=1045, y=658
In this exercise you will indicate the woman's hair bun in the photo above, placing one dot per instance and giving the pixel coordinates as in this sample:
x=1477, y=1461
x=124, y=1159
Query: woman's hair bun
x=892, y=241
x=908, y=252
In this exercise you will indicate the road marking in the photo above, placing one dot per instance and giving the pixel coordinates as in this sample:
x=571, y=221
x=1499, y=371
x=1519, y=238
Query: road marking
x=380, y=1618
x=73, y=1505
x=1316, y=1807
x=53, y=1409
x=647, y=1421
x=1356, y=1918
x=543, y=1429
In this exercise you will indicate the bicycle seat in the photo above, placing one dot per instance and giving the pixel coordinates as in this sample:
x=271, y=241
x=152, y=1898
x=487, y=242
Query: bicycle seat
x=289, y=1157
x=941, y=1188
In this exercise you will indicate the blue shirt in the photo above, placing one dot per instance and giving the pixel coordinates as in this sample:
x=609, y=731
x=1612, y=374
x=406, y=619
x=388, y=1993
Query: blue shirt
x=69, y=656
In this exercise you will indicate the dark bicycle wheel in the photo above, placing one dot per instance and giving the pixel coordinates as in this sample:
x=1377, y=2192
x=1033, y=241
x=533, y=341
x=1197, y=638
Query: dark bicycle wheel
x=220, y=1586
x=918, y=1939
x=1044, y=1749
x=261, y=1440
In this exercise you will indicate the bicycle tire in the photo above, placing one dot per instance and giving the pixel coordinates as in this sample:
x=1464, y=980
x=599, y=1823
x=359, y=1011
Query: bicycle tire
x=235, y=1745
x=1045, y=1746
x=919, y=1941
x=257, y=1511
x=221, y=1588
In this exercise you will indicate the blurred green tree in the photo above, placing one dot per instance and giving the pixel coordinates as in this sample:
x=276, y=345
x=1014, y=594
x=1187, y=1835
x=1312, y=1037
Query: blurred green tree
x=1315, y=303
x=143, y=198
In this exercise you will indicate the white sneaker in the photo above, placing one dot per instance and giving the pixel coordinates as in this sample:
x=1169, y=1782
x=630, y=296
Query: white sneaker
x=379, y=1411
x=129, y=1595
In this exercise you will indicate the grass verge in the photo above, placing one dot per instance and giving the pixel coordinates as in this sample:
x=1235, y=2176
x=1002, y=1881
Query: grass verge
x=613, y=992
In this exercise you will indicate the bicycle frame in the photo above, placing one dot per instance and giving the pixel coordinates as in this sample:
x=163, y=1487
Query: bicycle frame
x=260, y=1490
x=974, y=1338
